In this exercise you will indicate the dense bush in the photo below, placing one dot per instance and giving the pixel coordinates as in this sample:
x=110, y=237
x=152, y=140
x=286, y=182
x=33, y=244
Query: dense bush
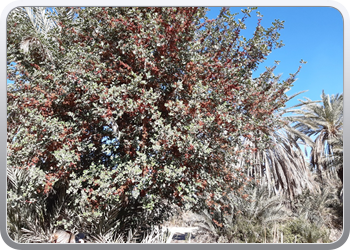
x=115, y=114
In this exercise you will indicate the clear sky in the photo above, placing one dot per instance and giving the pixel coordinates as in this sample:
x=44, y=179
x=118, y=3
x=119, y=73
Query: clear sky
x=314, y=34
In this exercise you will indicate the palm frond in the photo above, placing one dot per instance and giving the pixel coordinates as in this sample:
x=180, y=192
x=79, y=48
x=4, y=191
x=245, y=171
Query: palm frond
x=325, y=121
x=40, y=22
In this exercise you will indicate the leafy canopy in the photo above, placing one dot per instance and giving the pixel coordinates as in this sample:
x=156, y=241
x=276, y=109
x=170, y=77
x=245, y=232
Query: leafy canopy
x=139, y=108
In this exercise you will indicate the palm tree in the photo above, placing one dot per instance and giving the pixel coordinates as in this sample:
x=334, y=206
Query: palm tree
x=325, y=121
x=337, y=158
x=38, y=23
x=249, y=220
x=282, y=165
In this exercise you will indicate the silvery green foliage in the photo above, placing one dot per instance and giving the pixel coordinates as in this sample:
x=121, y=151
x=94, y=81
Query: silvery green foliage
x=178, y=87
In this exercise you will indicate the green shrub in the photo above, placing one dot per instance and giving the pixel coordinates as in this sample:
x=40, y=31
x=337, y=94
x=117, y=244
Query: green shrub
x=301, y=231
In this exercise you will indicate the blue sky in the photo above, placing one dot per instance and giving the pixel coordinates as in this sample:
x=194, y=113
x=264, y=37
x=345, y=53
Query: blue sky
x=314, y=34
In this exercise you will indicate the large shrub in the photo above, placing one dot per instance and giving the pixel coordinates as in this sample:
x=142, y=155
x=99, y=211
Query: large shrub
x=137, y=108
